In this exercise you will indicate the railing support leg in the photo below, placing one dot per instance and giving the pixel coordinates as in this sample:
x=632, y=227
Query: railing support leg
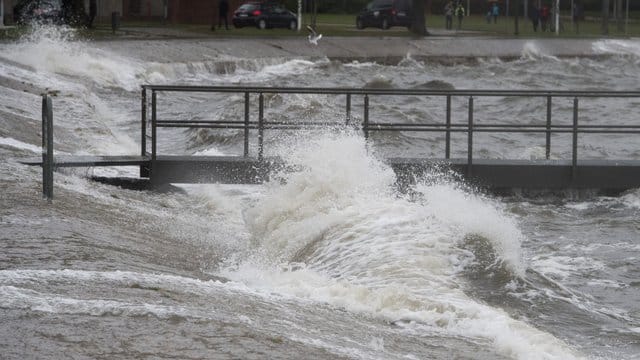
x=348, y=109
x=574, y=151
x=154, y=126
x=144, y=171
x=470, y=138
x=447, y=149
x=246, y=124
x=548, y=142
x=260, y=126
x=365, y=124
x=47, y=148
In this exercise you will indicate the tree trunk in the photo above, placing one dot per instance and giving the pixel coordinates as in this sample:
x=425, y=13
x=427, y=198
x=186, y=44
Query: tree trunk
x=418, y=26
x=619, y=16
x=517, y=16
x=605, y=17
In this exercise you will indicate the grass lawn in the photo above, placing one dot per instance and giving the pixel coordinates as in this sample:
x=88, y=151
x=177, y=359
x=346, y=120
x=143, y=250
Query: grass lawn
x=344, y=25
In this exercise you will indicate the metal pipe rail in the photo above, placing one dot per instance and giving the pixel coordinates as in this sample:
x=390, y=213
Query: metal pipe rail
x=470, y=127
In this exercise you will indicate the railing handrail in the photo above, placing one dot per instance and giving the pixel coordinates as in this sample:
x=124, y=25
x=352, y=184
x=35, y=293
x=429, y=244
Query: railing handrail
x=377, y=91
x=367, y=126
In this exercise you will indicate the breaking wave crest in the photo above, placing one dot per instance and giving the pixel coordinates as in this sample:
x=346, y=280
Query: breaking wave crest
x=336, y=231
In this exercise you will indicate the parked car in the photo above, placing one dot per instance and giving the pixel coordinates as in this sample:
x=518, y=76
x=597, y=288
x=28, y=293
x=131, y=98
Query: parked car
x=264, y=15
x=385, y=14
x=47, y=11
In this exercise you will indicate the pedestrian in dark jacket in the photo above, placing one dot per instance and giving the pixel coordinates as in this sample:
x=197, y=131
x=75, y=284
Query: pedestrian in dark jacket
x=448, y=15
x=93, y=11
x=459, y=12
x=223, y=10
x=534, y=15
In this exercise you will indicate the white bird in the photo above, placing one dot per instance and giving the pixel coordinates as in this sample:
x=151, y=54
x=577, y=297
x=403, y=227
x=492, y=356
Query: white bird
x=313, y=36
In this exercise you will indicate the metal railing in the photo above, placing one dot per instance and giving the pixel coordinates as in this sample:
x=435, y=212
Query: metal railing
x=47, y=147
x=446, y=126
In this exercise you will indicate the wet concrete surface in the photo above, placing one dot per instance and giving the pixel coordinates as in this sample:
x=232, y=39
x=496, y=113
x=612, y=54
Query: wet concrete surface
x=443, y=45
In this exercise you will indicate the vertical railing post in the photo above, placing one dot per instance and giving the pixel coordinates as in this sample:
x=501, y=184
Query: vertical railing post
x=260, y=126
x=348, y=109
x=144, y=170
x=143, y=123
x=154, y=140
x=47, y=148
x=365, y=123
x=246, y=124
x=470, y=138
x=45, y=170
x=574, y=151
x=447, y=148
x=548, y=140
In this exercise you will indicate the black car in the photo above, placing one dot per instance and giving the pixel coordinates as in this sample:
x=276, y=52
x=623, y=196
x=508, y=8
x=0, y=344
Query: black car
x=264, y=15
x=385, y=14
x=46, y=11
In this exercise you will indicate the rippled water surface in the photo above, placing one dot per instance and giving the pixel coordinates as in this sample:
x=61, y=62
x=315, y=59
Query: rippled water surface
x=329, y=260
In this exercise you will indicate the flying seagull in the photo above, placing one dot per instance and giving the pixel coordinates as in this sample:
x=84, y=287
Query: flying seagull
x=313, y=36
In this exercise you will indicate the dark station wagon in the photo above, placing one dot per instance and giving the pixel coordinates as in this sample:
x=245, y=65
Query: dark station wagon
x=264, y=15
x=385, y=14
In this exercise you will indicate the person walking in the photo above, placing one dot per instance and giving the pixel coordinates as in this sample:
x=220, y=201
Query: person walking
x=223, y=13
x=459, y=12
x=448, y=15
x=495, y=11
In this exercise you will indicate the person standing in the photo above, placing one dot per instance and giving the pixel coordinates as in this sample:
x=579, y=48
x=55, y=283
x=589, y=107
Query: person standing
x=93, y=11
x=459, y=12
x=544, y=17
x=223, y=11
x=534, y=15
x=448, y=15
x=495, y=11
x=576, y=13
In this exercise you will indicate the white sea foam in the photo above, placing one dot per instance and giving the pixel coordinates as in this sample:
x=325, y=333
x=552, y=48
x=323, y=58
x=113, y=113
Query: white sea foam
x=336, y=232
x=532, y=51
x=564, y=266
x=358, y=64
x=54, y=49
x=20, y=145
x=617, y=47
x=17, y=298
x=631, y=199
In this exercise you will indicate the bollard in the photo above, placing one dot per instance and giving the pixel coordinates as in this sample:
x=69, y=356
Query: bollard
x=115, y=21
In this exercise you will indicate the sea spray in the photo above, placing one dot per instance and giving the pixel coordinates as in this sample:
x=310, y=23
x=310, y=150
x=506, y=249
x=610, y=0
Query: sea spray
x=335, y=231
x=57, y=50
